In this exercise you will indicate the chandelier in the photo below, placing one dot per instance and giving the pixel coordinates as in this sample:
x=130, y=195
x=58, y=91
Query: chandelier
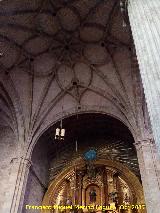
x=60, y=133
x=123, y=8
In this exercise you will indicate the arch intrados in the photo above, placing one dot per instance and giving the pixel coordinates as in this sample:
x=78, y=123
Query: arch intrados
x=68, y=114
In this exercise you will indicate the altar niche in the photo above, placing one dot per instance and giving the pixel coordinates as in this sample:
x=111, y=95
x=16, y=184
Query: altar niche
x=92, y=195
x=106, y=187
x=109, y=186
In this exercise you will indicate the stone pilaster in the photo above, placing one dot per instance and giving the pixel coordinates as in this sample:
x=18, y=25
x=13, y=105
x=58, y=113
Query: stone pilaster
x=12, y=170
x=149, y=169
x=20, y=168
x=144, y=19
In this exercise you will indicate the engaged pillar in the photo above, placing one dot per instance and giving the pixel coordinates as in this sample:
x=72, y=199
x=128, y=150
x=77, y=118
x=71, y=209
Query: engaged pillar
x=149, y=169
x=23, y=166
x=144, y=16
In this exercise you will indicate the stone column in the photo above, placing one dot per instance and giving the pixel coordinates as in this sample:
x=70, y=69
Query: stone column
x=9, y=182
x=149, y=169
x=21, y=169
x=144, y=16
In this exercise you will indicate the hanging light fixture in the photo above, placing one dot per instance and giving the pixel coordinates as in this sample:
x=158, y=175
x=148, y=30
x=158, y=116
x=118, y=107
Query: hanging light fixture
x=123, y=8
x=60, y=132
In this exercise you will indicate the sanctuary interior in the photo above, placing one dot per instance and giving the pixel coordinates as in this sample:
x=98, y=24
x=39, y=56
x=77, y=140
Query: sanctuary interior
x=87, y=167
x=79, y=105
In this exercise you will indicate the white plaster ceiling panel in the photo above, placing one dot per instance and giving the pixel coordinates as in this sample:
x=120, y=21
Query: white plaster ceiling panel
x=68, y=18
x=59, y=3
x=50, y=94
x=96, y=54
x=65, y=76
x=84, y=6
x=4, y=106
x=19, y=19
x=5, y=114
x=17, y=35
x=10, y=54
x=120, y=33
x=83, y=73
x=57, y=44
x=44, y=64
x=124, y=65
x=23, y=87
x=99, y=15
x=6, y=119
x=48, y=23
x=3, y=121
x=9, y=6
x=40, y=85
x=100, y=83
x=94, y=25
x=77, y=93
x=37, y=45
x=67, y=47
x=7, y=145
x=113, y=77
x=69, y=101
x=91, y=98
x=91, y=33
x=45, y=99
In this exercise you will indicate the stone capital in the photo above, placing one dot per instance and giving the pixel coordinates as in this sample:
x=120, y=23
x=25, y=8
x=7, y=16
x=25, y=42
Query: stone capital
x=145, y=142
x=15, y=160
x=26, y=162
x=21, y=160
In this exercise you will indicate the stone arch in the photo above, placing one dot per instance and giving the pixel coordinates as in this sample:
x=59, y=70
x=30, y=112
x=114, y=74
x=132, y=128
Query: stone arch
x=71, y=112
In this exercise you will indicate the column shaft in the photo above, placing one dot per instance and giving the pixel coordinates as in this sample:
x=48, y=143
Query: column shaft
x=22, y=175
x=144, y=16
x=148, y=165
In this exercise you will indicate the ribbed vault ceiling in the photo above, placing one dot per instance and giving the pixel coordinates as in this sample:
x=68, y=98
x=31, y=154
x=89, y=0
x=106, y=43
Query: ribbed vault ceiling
x=56, y=53
x=37, y=33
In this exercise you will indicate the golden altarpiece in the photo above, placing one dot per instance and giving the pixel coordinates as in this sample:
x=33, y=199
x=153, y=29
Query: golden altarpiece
x=100, y=183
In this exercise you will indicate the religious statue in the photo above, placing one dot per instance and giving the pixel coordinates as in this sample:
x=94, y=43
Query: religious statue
x=69, y=201
x=126, y=199
x=92, y=195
